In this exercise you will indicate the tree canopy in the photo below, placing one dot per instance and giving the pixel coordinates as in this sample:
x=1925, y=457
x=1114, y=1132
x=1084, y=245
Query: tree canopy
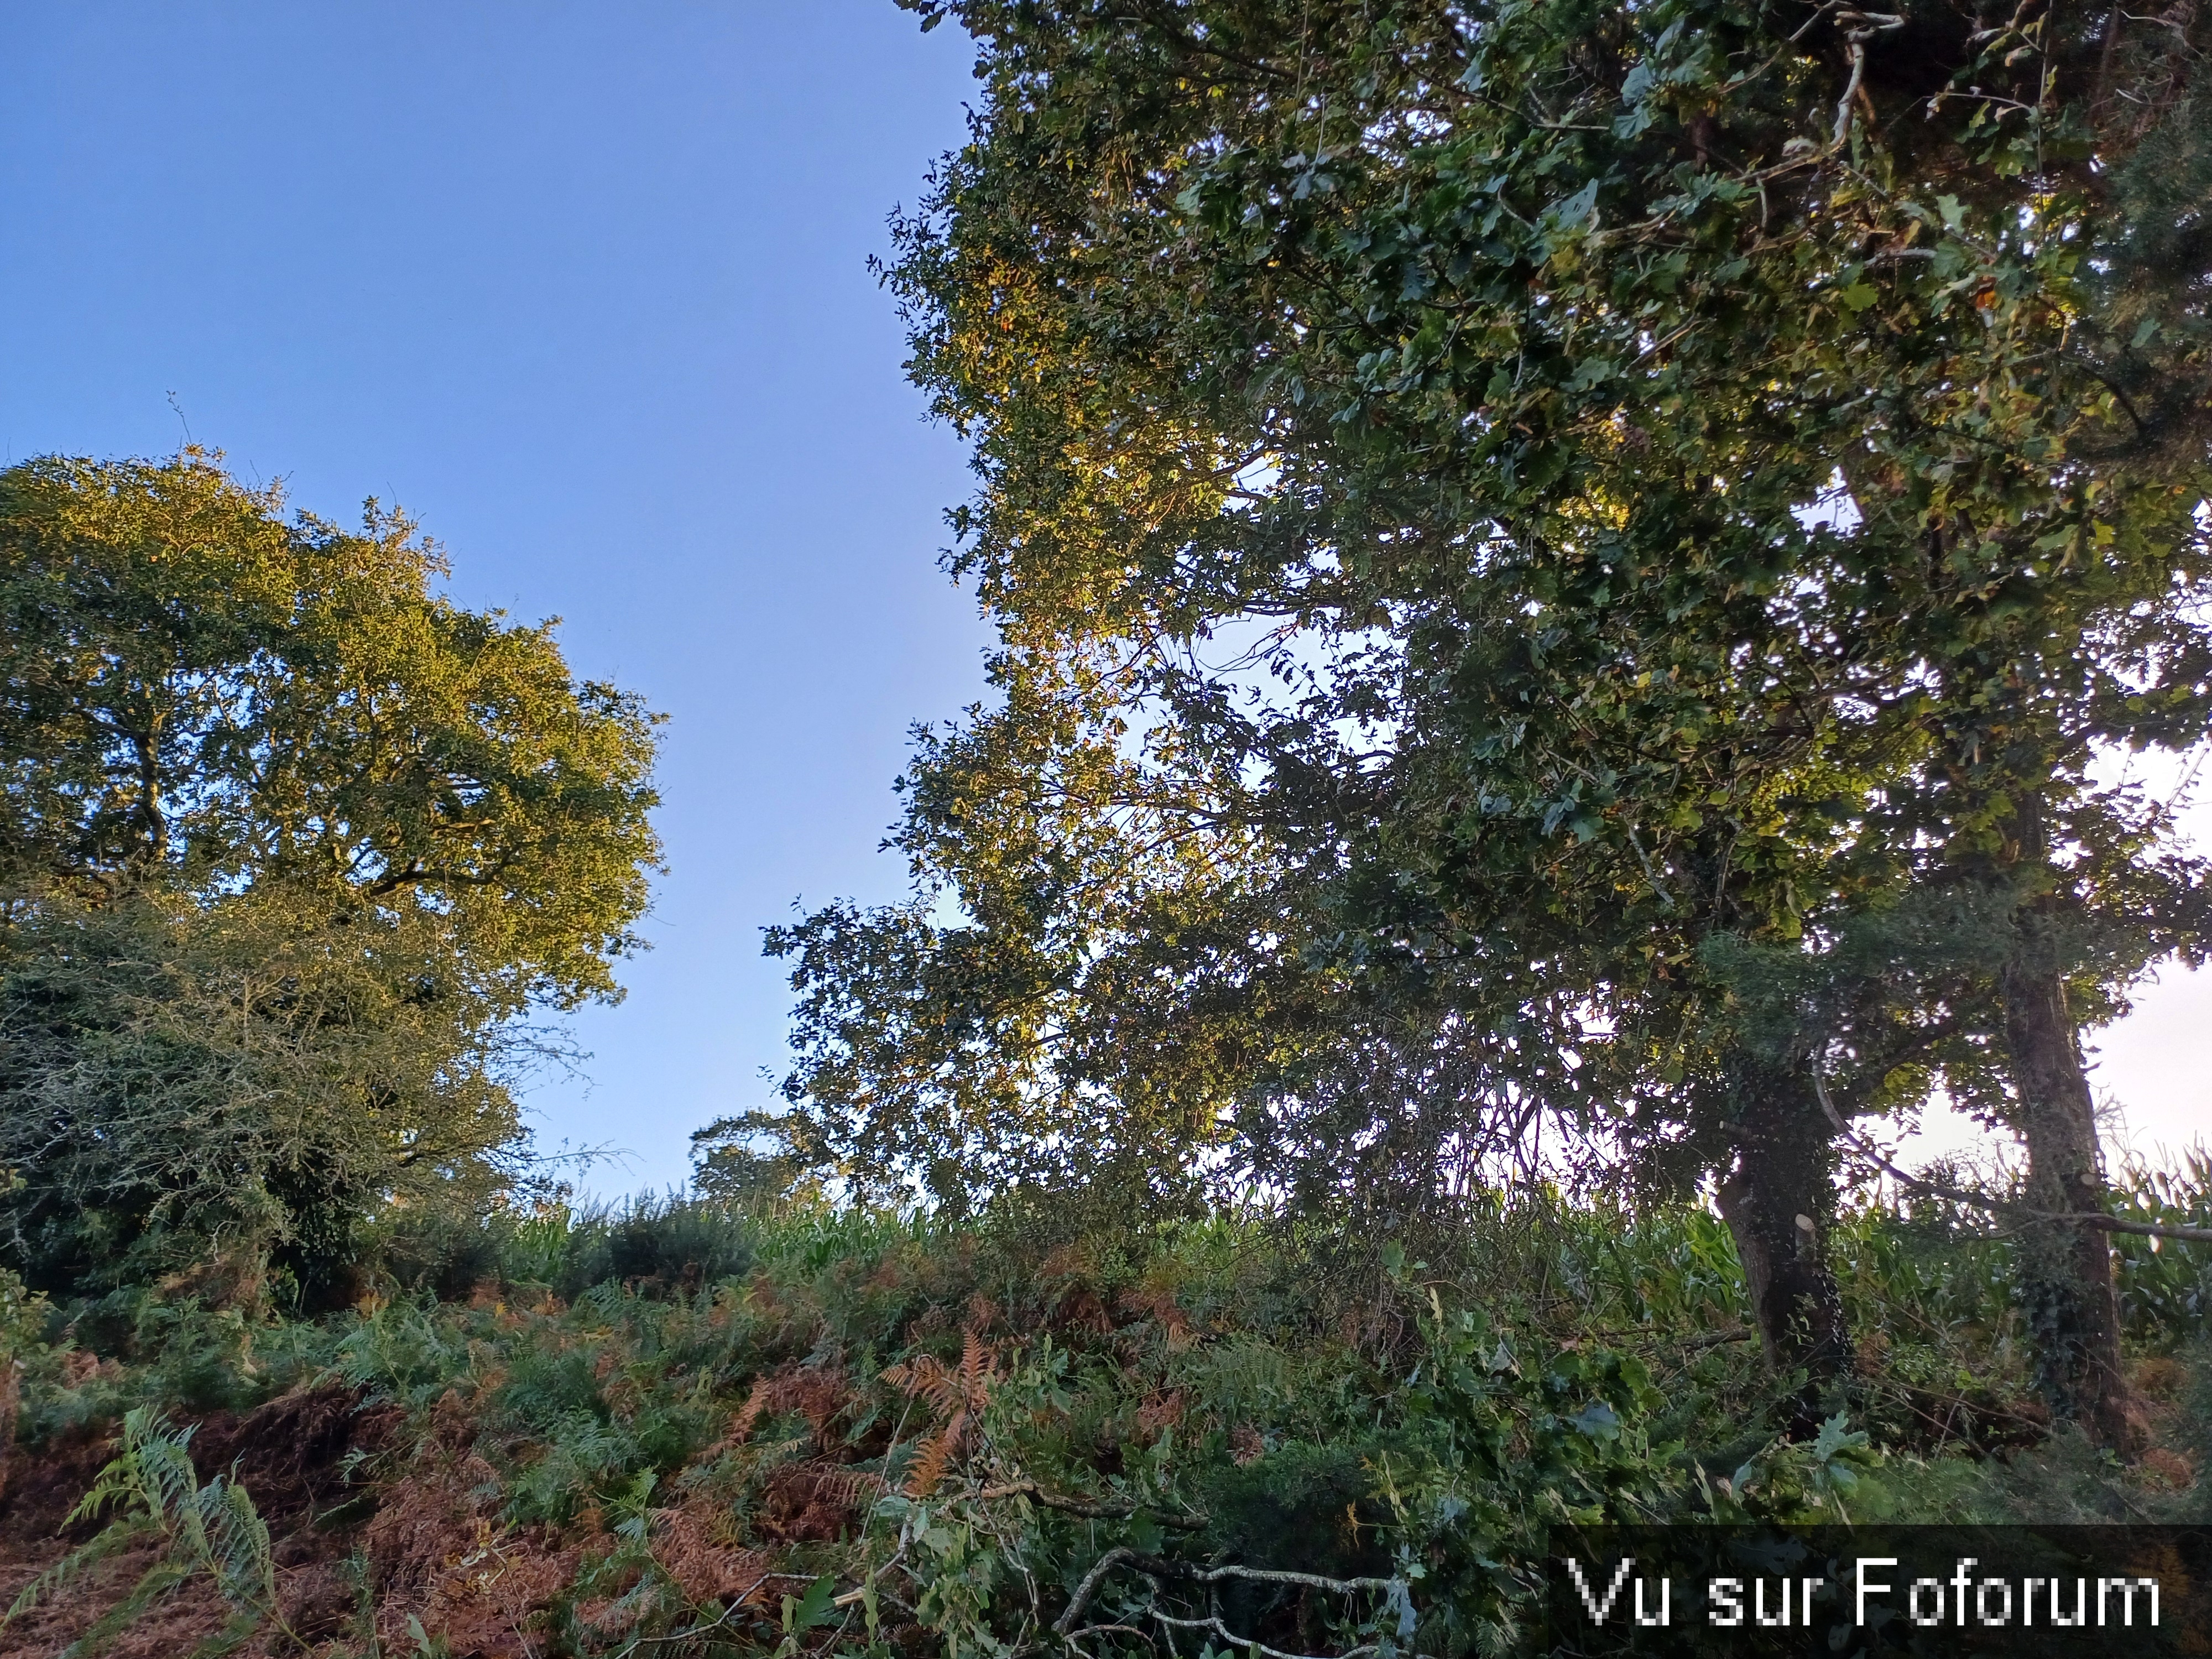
x=293, y=848
x=1551, y=525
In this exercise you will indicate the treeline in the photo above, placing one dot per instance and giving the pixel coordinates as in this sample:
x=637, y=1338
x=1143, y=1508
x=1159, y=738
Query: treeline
x=1578, y=586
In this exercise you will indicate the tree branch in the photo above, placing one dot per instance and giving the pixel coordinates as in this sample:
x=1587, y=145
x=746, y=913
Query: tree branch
x=2109, y=1223
x=1088, y=1587
x=1084, y=1507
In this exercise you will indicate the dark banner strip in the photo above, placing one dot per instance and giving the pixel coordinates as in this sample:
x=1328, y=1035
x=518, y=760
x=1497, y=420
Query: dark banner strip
x=1839, y=1591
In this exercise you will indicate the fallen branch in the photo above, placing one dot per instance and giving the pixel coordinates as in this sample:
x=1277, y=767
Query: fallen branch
x=1083, y=1591
x=1154, y=1567
x=1158, y=1569
x=1084, y=1507
x=1237, y=1642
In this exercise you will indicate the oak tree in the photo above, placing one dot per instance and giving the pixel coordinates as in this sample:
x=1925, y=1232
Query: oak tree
x=1704, y=479
x=294, y=849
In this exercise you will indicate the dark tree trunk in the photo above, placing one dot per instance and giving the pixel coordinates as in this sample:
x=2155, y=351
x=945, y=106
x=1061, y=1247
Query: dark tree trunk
x=1777, y=1201
x=2073, y=1309
x=2066, y=1267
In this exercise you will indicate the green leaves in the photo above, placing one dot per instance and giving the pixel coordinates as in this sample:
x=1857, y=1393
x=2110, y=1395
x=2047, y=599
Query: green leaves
x=207, y=698
x=806, y=1612
x=291, y=846
x=1616, y=502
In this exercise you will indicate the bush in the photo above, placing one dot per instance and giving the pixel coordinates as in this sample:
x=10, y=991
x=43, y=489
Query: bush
x=445, y=1253
x=655, y=1245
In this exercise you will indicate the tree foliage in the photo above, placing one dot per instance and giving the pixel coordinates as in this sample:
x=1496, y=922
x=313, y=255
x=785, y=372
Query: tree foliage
x=293, y=849
x=1556, y=498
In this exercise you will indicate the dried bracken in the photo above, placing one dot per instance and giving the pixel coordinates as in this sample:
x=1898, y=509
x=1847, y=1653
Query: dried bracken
x=956, y=1394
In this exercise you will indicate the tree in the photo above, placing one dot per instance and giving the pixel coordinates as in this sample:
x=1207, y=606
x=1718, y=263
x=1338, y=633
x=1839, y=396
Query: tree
x=1741, y=465
x=293, y=848
x=191, y=1089
x=1086, y=980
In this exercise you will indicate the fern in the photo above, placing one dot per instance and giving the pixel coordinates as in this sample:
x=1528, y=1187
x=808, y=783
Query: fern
x=956, y=1395
x=213, y=1530
x=748, y=1414
x=935, y=1458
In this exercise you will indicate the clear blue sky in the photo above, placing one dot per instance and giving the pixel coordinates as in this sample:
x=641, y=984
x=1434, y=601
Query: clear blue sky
x=584, y=287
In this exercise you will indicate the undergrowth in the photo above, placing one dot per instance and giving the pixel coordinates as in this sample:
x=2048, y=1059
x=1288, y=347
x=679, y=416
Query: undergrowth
x=668, y=1428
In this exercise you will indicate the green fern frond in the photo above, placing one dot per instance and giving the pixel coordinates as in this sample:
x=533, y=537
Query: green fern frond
x=240, y=1556
x=212, y=1528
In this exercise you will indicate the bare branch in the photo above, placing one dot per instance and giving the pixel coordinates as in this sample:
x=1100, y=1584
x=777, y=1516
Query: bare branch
x=2109, y=1223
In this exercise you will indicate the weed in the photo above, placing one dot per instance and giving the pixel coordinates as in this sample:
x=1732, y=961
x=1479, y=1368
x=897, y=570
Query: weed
x=913, y=1431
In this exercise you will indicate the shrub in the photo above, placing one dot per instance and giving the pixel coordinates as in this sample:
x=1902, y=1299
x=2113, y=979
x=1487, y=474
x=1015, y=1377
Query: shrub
x=659, y=1245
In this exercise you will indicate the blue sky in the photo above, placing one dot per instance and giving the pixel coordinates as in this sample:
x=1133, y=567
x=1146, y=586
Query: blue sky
x=584, y=287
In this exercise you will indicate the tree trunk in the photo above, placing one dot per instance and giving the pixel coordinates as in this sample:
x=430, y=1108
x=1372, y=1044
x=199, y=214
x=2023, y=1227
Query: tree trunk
x=2066, y=1268
x=2073, y=1309
x=1776, y=1202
